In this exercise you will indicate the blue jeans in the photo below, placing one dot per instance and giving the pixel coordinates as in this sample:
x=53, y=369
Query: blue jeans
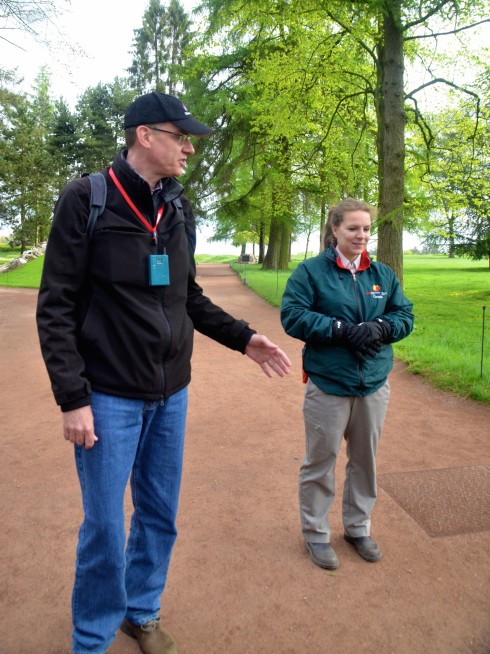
x=115, y=580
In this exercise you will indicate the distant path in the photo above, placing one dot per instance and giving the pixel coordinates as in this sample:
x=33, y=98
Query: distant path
x=240, y=581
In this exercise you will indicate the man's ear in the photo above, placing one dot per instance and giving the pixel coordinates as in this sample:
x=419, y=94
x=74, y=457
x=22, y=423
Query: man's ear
x=143, y=136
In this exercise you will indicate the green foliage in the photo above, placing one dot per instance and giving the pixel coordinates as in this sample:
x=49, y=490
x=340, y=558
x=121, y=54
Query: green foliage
x=269, y=284
x=455, y=182
x=159, y=47
x=292, y=89
x=292, y=125
x=43, y=145
x=303, y=108
x=25, y=193
x=100, y=117
x=64, y=145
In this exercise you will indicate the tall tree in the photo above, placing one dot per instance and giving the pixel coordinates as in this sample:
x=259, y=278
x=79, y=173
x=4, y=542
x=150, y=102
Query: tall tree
x=159, y=47
x=456, y=182
x=25, y=184
x=283, y=105
x=388, y=35
x=41, y=175
x=64, y=144
x=372, y=41
x=100, y=112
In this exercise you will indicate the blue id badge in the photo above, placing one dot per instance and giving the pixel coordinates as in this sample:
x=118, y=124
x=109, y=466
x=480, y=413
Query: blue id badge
x=158, y=270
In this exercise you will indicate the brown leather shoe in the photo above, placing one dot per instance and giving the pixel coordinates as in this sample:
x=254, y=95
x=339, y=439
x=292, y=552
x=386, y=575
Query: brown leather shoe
x=151, y=637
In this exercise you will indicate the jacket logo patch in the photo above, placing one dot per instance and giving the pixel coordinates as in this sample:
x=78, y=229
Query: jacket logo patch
x=376, y=293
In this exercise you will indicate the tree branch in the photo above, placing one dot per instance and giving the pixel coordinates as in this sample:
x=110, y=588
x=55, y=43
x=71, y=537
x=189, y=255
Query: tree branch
x=441, y=80
x=346, y=28
x=455, y=31
x=423, y=19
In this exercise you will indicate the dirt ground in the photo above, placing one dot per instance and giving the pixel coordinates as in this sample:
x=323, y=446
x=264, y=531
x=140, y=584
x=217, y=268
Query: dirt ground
x=240, y=580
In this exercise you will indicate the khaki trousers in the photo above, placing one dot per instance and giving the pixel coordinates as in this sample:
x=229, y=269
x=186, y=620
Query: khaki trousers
x=327, y=419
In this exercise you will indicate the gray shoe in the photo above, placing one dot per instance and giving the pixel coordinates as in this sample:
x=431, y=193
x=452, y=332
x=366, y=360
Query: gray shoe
x=323, y=555
x=365, y=546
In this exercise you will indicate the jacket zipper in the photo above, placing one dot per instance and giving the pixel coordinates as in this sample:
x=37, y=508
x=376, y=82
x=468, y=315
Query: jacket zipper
x=356, y=295
x=162, y=239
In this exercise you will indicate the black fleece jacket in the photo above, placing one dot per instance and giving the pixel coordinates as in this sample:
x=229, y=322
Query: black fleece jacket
x=101, y=326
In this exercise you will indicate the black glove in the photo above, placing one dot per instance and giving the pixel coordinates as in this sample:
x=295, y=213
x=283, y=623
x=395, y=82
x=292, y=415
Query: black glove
x=370, y=349
x=385, y=327
x=374, y=330
x=342, y=331
x=346, y=333
x=362, y=340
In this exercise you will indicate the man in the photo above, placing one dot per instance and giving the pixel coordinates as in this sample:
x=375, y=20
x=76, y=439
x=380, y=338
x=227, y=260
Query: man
x=116, y=315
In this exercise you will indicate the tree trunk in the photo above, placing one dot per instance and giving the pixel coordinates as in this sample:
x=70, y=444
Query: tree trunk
x=391, y=138
x=261, y=242
x=323, y=222
x=278, y=253
x=271, y=259
x=277, y=257
x=285, y=247
x=451, y=238
x=307, y=243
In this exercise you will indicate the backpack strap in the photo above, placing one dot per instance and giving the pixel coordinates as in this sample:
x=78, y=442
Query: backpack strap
x=191, y=236
x=98, y=194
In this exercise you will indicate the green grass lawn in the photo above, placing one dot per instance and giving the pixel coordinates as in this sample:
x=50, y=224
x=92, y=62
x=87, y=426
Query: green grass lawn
x=7, y=253
x=209, y=258
x=448, y=295
x=446, y=344
x=28, y=276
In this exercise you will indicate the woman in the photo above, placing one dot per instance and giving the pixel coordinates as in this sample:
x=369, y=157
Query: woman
x=348, y=310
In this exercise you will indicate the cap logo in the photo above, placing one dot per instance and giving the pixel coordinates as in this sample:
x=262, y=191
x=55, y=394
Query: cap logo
x=187, y=113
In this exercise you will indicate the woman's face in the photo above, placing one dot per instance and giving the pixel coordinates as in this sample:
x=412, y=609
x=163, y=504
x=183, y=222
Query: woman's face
x=353, y=233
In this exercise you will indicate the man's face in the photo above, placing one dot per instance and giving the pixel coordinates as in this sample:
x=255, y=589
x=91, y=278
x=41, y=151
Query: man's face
x=167, y=153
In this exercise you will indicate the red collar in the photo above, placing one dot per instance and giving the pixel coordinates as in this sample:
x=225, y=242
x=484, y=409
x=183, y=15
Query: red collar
x=364, y=263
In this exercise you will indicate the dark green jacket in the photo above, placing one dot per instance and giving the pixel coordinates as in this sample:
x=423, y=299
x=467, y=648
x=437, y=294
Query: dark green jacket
x=320, y=291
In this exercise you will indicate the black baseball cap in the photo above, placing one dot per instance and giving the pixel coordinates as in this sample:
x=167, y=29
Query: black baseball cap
x=161, y=108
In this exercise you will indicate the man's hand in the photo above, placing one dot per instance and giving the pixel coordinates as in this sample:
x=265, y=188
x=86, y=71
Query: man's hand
x=78, y=427
x=269, y=357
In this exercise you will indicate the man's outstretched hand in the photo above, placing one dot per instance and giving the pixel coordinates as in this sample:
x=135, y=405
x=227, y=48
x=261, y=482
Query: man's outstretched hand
x=269, y=357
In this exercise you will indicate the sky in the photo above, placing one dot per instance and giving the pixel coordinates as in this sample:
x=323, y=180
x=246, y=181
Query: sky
x=90, y=43
x=101, y=33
